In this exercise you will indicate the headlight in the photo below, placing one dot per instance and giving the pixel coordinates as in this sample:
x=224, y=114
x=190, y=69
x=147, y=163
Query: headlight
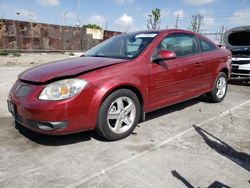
x=62, y=89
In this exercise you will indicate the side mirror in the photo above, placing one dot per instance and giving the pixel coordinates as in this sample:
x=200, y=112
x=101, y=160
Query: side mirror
x=164, y=55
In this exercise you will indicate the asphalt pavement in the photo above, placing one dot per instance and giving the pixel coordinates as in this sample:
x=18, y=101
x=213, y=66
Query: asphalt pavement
x=191, y=144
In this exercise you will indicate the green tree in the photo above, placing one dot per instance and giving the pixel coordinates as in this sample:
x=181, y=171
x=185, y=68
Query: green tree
x=92, y=26
x=154, y=19
x=196, y=22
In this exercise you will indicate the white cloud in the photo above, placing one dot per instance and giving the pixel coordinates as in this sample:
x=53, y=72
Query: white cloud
x=205, y=12
x=6, y=7
x=26, y=13
x=48, y=2
x=97, y=19
x=198, y=2
x=241, y=17
x=70, y=15
x=123, y=2
x=180, y=13
x=208, y=22
x=138, y=8
x=21, y=13
x=165, y=13
x=125, y=22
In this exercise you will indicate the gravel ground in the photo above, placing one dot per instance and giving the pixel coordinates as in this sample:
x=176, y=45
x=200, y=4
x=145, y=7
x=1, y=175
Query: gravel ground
x=33, y=59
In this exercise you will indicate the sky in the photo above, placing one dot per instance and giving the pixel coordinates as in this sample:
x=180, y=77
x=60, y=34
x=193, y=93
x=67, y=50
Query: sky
x=129, y=15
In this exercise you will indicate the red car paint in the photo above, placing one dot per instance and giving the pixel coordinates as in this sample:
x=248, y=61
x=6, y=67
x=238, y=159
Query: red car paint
x=156, y=85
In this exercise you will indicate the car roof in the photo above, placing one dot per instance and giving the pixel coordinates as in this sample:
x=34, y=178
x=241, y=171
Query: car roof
x=160, y=31
x=168, y=31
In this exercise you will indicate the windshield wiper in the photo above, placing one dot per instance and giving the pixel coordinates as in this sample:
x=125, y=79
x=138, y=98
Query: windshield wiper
x=96, y=56
x=105, y=56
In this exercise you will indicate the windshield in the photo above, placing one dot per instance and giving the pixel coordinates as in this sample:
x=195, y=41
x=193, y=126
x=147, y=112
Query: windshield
x=125, y=46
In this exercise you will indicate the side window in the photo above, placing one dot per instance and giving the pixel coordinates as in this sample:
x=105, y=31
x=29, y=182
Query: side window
x=206, y=46
x=181, y=44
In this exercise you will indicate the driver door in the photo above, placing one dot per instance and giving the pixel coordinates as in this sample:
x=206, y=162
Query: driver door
x=169, y=78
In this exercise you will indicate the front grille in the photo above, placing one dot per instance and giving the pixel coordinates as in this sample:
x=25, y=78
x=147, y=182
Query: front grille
x=242, y=62
x=241, y=71
x=23, y=90
x=235, y=67
x=20, y=90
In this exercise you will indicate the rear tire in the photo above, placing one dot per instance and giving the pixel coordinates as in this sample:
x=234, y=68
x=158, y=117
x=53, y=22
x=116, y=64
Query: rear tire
x=219, y=89
x=118, y=115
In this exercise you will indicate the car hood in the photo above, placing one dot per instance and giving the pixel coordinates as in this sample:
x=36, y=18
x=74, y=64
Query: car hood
x=66, y=68
x=237, y=37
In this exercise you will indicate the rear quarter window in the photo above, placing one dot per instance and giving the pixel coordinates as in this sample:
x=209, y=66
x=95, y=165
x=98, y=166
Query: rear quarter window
x=206, y=45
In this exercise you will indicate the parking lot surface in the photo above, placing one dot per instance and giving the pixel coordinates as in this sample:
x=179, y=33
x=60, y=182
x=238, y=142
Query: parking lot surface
x=191, y=144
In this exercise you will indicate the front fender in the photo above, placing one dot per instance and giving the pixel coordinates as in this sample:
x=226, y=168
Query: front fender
x=112, y=85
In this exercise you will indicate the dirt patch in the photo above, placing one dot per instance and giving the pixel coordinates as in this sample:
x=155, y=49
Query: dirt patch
x=33, y=59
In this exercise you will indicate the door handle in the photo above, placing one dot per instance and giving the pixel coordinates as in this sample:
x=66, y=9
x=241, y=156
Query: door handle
x=198, y=64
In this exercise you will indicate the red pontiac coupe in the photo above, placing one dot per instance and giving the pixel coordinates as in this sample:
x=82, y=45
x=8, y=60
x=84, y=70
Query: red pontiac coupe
x=112, y=87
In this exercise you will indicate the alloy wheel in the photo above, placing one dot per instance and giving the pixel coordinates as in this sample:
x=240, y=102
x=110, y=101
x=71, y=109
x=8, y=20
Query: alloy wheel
x=121, y=115
x=221, y=87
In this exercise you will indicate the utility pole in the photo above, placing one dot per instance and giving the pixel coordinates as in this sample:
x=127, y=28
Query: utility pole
x=106, y=25
x=78, y=12
x=30, y=15
x=3, y=14
x=63, y=17
x=222, y=31
x=177, y=21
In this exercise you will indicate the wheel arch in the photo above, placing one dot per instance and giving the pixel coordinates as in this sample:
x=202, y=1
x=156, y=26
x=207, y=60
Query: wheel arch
x=132, y=88
x=219, y=69
x=226, y=71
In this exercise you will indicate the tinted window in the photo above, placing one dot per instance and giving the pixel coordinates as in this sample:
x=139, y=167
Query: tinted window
x=206, y=46
x=181, y=44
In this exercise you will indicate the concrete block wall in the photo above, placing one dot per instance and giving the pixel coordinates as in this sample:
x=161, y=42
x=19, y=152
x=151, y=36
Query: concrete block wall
x=46, y=37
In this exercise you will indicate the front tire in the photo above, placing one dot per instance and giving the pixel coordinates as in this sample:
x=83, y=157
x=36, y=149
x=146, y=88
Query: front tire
x=219, y=89
x=118, y=115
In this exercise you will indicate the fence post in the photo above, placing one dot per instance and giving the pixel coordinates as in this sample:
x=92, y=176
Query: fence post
x=63, y=38
x=18, y=43
x=81, y=37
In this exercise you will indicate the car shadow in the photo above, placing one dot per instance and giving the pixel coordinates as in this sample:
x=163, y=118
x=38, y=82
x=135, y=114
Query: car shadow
x=215, y=184
x=57, y=140
x=239, y=83
x=240, y=158
x=172, y=108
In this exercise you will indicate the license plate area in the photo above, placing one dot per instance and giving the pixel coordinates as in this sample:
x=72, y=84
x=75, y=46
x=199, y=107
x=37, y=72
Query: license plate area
x=12, y=109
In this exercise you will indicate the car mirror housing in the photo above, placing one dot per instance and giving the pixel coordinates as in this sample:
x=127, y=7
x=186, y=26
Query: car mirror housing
x=164, y=55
